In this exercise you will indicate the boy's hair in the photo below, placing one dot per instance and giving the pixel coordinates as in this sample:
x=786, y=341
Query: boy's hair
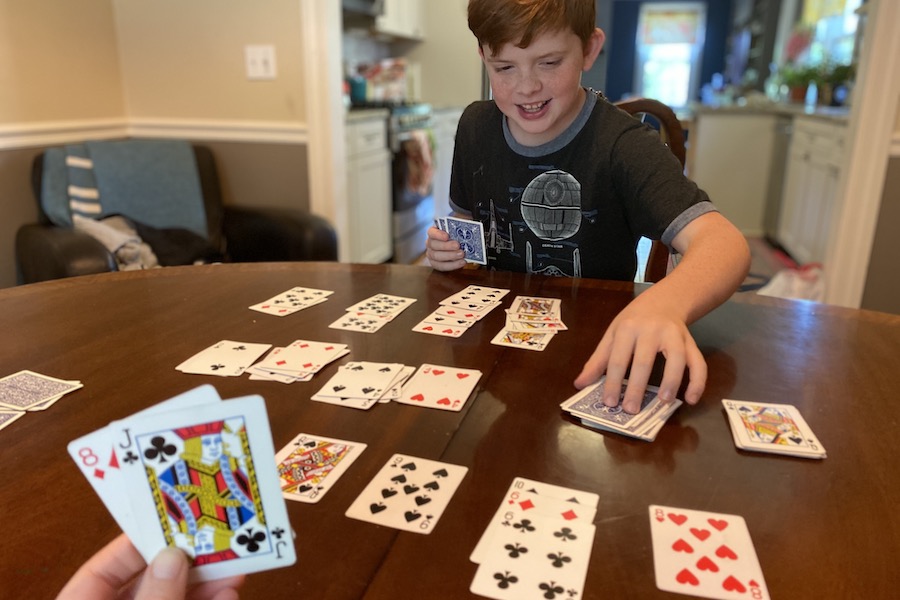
x=499, y=22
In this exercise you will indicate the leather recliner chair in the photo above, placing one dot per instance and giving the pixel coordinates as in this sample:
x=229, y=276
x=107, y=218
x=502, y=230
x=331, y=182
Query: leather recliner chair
x=46, y=251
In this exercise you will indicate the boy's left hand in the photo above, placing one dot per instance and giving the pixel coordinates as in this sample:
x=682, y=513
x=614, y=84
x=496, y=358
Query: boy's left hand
x=637, y=334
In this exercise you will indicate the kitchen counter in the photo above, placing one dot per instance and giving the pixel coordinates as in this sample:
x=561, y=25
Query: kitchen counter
x=366, y=114
x=830, y=113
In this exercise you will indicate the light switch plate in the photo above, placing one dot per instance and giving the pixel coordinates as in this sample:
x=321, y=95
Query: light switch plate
x=260, y=61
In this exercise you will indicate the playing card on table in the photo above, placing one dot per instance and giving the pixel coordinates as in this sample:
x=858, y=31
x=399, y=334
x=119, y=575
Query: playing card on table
x=408, y=493
x=294, y=299
x=224, y=359
x=531, y=305
x=527, y=340
x=588, y=405
x=704, y=554
x=535, y=557
x=469, y=234
x=774, y=428
x=360, y=321
x=27, y=390
x=446, y=329
x=204, y=480
x=7, y=416
x=476, y=298
x=362, y=379
x=300, y=360
x=526, y=501
x=382, y=305
x=444, y=388
x=310, y=465
x=458, y=313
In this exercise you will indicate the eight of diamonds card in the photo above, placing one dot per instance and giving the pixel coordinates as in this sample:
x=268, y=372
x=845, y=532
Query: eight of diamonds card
x=204, y=480
x=704, y=554
x=408, y=493
x=775, y=428
x=310, y=465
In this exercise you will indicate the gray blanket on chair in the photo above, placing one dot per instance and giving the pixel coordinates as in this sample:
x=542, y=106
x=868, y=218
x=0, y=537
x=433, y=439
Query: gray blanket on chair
x=150, y=181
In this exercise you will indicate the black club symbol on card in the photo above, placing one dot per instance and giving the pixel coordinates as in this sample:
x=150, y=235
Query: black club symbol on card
x=278, y=532
x=524, y=526
x=515, y=550
x=551, y=590
x=239, y=348
x=159, y=449
x=216, y=367
x=251, y=540
x=505, y=579
x=130, y=457
x=565, y=534
x=559, y=559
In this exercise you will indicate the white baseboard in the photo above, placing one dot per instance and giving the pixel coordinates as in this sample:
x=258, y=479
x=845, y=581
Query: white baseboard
x=51, y=133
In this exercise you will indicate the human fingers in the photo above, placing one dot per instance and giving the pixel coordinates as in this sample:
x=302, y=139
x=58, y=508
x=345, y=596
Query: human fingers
x=105, y=573
x=698, y=370
x=219, y=589
x=642, y=360
x=443, y=253
x=594, y=366
x=166, y=576
x=620, y=353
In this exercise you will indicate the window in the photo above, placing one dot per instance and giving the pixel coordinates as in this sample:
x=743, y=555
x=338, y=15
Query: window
x=669, y=46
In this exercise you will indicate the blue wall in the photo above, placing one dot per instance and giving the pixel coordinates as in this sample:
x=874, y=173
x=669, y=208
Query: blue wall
x=621, y=44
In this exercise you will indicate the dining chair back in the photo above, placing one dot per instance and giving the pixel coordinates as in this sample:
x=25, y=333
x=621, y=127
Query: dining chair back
x=663, y=119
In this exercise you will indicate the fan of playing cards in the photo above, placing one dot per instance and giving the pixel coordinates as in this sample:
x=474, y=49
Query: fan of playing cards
x=587, y=405
x=152, y=468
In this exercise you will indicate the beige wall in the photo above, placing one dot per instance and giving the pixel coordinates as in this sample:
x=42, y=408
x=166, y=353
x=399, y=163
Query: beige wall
x=185, y=60
x=451, y=69
x=882, y=289
x=58, y=61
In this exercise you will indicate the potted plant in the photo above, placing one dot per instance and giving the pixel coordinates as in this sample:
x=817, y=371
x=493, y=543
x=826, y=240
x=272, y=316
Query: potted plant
x=797, y=79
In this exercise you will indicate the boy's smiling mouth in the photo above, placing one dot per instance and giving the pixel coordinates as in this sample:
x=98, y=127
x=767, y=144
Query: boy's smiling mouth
x=533, y=108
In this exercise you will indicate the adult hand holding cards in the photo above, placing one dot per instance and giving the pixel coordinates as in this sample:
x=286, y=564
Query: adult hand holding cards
x=469, y=234
x=197, y=473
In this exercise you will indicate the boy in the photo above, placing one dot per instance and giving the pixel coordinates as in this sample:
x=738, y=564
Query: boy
x=569, y=184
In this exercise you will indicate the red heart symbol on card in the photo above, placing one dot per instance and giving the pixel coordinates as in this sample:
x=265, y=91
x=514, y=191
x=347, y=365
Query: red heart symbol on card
x=733, y=585
x=280, y=362
x=719, y=524
x=725, y=552
x=685, y=576
x=444, y=401
x=706, y=564
x=304, y=345
x=448, y=331
x=429, y=328
x=437, y=372
x=682, y=546
x=418, y=397
x=462, y=375
x=307, y=365
x=700, y=534
x=677, y=519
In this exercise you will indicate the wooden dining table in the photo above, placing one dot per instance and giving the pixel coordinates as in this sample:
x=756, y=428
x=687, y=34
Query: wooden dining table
x=821, y=528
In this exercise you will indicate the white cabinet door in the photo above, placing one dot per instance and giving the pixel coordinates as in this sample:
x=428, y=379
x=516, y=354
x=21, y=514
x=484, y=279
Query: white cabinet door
x=445, y=123
x=809, y=191
x=369, y=191
x=402, y=18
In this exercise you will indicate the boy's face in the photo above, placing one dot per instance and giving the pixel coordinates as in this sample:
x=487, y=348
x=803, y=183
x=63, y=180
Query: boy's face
x=539, y=88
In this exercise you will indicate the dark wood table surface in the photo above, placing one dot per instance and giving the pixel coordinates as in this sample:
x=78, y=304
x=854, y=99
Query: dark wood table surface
x=822, y=529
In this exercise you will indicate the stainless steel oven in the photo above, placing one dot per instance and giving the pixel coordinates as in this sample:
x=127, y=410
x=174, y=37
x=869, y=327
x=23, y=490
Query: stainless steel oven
x=411, y=142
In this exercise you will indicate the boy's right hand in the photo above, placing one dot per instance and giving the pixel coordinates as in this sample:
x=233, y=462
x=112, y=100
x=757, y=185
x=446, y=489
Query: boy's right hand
x=443, y=253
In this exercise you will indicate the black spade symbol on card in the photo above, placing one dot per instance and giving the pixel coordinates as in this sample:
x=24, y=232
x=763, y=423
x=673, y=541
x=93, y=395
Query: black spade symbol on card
x=411, y=515
x=338, y=388
x=440, y=473
x=357, y=368
x=385, y=370
x=368, y=390
x=401, y=478
x=309, y=445
x=420, y=500
x=377, y=508
x=388, y=492
x=305, y=488
x=410, y=467
x=432, y=485
x=796, y=440
x=410, y=488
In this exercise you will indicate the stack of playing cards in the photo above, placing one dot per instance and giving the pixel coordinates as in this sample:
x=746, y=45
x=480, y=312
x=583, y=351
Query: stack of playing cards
x=538, y=543
x=364, y=384
x=27, y=391
x=371, y=314
x=296, y=298
x=469, y=234
x=310, y=465
x=299, y=361
x=459, y=312
x=198, y=473
x=588, y=406
x=435, y=386
x=531, y=323
x=224, y=359
x=408, y=493
x=775, y=428
x=704, y=554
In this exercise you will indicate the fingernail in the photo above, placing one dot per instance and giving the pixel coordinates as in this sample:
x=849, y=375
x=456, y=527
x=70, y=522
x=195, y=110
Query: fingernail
x=665, y=395
x=610, y=401
x=168, y=564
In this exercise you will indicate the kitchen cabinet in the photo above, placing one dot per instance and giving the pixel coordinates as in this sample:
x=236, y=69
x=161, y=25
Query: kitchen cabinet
x=369, y=202
x=814, y=167
x=445, y=122
x=735, y=159
x=402, y=19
